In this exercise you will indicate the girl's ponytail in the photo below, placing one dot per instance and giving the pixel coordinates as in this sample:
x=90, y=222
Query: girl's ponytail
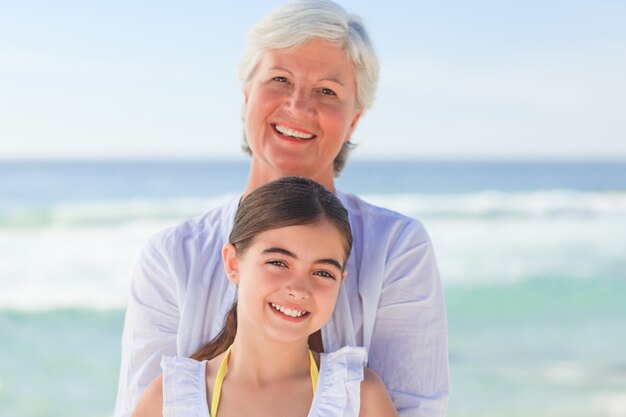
x=222, y=341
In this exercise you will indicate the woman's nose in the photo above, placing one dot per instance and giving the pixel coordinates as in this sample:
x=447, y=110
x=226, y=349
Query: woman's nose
x=301, y=102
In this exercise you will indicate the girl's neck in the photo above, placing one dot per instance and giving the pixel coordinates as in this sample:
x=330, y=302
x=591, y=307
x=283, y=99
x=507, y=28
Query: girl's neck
x=264, y=361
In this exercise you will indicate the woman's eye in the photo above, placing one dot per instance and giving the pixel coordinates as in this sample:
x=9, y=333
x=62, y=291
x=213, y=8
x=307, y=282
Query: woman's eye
x=280, y=79
x=277, y=263
x=325, y=274
x=328, y=92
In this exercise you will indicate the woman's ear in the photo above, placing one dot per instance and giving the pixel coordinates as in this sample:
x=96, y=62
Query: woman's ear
x=231, y=265
x=355, y=120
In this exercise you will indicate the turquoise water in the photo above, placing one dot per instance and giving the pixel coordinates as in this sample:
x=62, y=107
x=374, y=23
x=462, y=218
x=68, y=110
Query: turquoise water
x=547, y=347
x=541, y=348
x=59, y=363
x=532, y=257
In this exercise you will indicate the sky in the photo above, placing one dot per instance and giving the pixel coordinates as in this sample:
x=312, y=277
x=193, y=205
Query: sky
x=536, y=79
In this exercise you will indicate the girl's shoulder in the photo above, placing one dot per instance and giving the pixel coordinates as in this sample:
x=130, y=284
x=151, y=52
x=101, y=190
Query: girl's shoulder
x=375, y=400
x=151, y=403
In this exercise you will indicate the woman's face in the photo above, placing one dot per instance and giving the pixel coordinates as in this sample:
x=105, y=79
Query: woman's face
x=288, y=280
x=300, y=108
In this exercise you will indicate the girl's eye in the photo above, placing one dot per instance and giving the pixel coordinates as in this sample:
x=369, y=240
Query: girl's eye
x=325, y=274
x=277, y=263
x=328, y=92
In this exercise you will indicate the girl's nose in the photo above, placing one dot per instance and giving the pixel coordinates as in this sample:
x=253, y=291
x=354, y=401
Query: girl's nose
x=297, y=288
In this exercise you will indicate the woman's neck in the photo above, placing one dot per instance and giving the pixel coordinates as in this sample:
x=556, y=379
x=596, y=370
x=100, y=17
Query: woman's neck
x=259, y=175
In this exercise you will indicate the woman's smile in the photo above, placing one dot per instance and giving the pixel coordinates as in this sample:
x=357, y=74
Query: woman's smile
x=289, y=133
x=304, y=96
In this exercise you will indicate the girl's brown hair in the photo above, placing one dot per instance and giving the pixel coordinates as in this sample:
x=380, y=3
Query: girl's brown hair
x=288, y=201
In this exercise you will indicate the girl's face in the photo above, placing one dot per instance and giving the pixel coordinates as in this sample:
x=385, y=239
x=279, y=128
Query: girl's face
x=288, y=279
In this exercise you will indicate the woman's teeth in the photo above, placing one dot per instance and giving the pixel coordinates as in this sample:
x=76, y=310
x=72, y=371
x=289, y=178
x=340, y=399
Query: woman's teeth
x=287, y=131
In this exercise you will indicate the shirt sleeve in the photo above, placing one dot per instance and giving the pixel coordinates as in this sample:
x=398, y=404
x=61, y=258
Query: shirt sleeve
x=150, y=326
x=409, y=348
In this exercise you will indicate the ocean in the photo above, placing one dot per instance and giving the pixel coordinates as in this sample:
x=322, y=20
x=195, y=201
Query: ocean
x=532, y=257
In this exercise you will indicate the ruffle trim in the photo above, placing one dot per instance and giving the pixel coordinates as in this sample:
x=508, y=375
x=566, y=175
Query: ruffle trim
x=341, y=373
x=184, y=387
x=338, y=392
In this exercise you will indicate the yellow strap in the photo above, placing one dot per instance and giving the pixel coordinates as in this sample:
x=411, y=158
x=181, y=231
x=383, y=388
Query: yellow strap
x=313, y=369
x=221, y=373
x=219, y=380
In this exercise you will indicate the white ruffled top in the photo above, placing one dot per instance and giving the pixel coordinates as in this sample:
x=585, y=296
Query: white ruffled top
x=338, y=390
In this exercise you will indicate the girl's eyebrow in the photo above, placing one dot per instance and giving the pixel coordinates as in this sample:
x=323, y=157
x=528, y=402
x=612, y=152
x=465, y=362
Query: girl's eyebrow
x=330, y=261
x=282, y=251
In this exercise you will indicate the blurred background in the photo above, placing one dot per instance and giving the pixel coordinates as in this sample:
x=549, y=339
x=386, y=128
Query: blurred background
x=499, y=126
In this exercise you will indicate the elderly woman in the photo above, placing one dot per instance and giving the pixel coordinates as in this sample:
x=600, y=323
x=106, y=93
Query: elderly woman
x=308, y=74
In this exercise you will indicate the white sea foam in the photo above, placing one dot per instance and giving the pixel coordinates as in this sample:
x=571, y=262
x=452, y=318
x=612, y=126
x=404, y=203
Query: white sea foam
x=507, y=237
x=610, y=404
x=64, y=267
x=484, y=204
x=567, y=373
x=77, y=214
x=504, y=204
x=83, y=254
x=508, y=250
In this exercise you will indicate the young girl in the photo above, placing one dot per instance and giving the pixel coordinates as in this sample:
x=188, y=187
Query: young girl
x=286, y=254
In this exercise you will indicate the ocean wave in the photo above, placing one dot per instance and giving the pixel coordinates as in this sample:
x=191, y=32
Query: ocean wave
x=484, y=204
x=105, y=212
x=495, y=204
x=76, y=255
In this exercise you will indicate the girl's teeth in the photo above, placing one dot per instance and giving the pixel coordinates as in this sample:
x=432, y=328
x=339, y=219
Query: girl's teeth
x=287, y=311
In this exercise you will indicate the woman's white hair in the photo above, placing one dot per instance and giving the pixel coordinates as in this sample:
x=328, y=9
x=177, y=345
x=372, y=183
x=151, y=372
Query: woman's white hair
x=296, y=23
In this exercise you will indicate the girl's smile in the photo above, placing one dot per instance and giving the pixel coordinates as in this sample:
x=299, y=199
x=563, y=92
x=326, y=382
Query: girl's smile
x=288, y=280
x=289, y=312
